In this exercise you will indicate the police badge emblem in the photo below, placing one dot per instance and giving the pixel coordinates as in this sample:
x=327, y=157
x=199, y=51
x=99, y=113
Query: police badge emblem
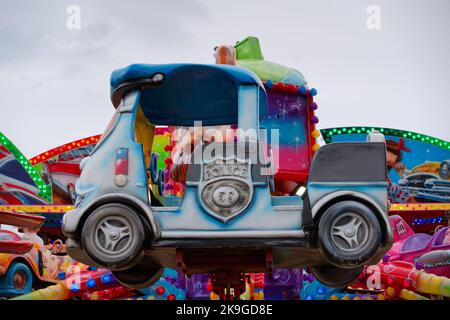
x=225, y=189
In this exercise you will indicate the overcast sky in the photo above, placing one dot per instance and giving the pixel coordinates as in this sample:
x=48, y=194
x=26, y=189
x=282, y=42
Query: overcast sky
x=54, y=82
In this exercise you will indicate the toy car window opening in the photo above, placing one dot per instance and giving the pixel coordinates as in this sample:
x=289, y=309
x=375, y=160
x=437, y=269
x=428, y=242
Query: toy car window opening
x=167, y=180
x=172, y=152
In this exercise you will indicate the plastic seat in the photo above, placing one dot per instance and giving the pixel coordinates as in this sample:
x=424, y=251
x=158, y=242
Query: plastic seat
x=416, y=242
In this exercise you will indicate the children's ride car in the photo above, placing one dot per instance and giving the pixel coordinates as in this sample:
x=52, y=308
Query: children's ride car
x=229, y=219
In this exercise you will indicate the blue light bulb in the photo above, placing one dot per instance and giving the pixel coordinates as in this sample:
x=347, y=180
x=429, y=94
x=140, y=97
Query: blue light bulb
x=91, y=283
x=321, y=290
x=302, y=90
x=106, y=278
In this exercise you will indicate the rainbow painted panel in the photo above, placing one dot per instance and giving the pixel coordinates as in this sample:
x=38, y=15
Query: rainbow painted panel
x=288, y=114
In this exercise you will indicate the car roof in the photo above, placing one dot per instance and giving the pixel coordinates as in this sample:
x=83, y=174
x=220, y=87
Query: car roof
x=140, y=71
x=189, y=92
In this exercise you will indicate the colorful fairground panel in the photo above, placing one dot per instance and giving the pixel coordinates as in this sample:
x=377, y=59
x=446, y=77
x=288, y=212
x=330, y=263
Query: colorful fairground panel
x=44, y=184
x=209, y=183
x=419, y=173
x=60, y=167
x=20, y=182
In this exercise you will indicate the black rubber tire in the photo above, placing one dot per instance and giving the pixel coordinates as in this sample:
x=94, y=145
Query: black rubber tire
x=335, y=277
x=93, y=237
x=334, y=247
x=138, y=277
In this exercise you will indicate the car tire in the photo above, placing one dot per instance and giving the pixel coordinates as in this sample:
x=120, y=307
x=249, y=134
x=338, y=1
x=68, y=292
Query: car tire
x=139, y=277
x=335, y=277
x=17, y=280
x=349, y=234
x=113, y=236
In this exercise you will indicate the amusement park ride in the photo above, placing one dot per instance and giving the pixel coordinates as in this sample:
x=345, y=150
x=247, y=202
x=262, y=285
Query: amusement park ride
x=246, y=204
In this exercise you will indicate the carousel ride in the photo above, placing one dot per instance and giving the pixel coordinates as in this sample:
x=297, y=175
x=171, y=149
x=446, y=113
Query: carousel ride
x=35, y=193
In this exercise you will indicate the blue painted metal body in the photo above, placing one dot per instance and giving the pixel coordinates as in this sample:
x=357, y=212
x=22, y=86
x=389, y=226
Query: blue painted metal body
x=265, y=218
x=98, y=171
x=376, y=191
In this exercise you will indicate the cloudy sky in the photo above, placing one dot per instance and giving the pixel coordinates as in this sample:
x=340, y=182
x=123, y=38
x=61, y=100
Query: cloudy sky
x=54, y=81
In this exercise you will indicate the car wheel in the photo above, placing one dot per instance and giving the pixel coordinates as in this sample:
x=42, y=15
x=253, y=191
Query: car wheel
x=335, y=277
x=139, y=277
x=349, y=234
x=113, y=237
x=17, y=280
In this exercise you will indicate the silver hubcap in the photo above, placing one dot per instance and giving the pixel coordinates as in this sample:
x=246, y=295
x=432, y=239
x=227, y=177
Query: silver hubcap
x=113, y=235
x=349, y=231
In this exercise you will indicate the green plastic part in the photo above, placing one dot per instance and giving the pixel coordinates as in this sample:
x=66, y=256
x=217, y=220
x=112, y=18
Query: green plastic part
x=249, y=56
x=328, y=134
x=45, y=191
